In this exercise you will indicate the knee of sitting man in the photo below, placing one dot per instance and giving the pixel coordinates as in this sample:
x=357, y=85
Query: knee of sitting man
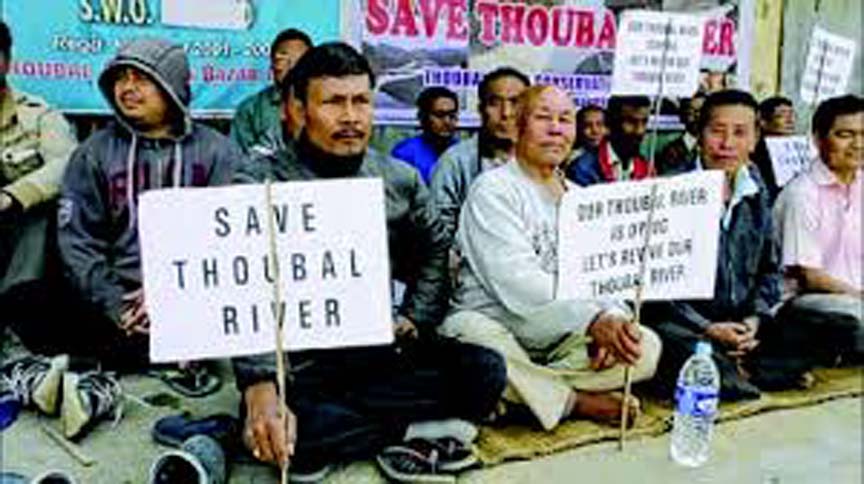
x=472, y=327
x=652, y=347
x=485, y=377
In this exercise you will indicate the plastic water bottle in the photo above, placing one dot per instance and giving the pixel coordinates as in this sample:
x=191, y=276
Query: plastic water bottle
x=696, y=399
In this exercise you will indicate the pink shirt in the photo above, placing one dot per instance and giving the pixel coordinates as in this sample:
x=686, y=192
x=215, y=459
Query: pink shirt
x=819, y=224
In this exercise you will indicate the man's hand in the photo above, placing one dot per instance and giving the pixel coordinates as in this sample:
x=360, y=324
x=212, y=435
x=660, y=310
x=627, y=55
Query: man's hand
x=270, y=438
x=602, y=359
x=133, y=318
x=613, y=333
x=405, y=329
x=739, y=338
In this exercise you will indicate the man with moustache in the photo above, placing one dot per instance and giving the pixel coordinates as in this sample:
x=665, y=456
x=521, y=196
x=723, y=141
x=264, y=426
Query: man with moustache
x=354, y=403
x=617, y=158
x=505, y=299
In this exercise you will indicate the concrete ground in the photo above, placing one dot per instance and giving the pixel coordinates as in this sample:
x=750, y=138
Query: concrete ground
x=818, y=444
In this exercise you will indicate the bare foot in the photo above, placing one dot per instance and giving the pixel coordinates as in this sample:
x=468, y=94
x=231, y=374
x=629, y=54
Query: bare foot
x=605, y=407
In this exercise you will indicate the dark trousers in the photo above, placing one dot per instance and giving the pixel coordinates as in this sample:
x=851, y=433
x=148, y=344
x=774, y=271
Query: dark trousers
x=784, y=354
x=831, y=326
x=679, y=343
x=26, y=246
x=351, y=403
x=49, y=320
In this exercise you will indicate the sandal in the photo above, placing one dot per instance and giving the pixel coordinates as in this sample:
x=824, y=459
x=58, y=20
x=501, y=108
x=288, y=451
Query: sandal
x=195, y=381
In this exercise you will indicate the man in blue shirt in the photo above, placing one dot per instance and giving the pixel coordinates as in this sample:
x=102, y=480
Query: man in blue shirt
x=438, y=111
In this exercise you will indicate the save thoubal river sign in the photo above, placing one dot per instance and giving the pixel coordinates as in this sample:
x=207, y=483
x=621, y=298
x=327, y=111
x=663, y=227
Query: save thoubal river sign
x=208, y=274
x=602, y=238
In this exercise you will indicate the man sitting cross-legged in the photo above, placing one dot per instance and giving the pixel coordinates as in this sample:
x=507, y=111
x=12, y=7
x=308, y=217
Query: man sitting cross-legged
x=358, y=402
x=505, y=299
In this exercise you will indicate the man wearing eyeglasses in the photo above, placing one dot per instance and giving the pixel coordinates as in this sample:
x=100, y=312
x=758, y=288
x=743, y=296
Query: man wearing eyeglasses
x=438, y=111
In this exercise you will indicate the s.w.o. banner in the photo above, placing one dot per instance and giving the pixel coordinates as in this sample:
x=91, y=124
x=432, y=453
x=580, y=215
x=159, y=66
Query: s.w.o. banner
x=61, y=46
x=413, y=44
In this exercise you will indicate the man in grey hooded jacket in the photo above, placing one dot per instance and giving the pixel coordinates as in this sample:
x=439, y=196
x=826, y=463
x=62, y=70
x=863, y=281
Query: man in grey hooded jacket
x=151, y=144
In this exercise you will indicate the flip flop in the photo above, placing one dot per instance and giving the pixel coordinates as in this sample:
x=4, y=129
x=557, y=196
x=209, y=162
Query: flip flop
x=194, y=382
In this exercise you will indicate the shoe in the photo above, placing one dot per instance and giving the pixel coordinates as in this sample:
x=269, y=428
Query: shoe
x=225, y=429
x=35, y=381
x=53, y=477
x=200, y=460
x=87, y=399
x=308, y=471
x=425, y=460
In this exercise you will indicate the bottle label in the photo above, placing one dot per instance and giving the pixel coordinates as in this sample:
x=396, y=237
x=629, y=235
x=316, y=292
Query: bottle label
x=696, y=402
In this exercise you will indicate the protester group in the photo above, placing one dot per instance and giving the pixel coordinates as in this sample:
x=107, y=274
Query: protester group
x=472, y=228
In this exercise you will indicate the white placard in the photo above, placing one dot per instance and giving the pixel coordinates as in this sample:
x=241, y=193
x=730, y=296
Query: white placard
x=208, y=14
x=647, y=39
x=790, y=155
x=829, y=65
x=602, y=238
x=207, y=273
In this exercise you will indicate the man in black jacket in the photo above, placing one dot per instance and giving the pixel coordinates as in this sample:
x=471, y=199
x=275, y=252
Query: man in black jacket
x=350, y=403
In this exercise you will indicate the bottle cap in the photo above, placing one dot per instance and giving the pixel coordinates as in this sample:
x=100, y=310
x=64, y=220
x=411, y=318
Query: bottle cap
x=703, y=348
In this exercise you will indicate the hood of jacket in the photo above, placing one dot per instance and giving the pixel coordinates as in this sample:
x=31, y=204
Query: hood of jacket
x=165, y=63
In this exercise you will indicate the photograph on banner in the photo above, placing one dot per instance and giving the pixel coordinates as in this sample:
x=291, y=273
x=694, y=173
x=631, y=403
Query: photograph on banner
x=830, y=59
x=790, y=155
x=227, y=41
x=208, y=275
x=658, y=54
x=602, y=232
x=453, y=43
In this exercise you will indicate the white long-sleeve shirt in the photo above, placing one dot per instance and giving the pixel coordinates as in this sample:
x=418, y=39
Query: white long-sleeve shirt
x=508, y=240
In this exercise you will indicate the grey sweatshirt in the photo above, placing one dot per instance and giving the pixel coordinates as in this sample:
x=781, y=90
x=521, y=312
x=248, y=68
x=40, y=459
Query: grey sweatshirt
x=97, y=219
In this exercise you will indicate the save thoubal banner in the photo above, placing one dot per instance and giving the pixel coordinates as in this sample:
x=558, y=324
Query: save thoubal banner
x=208, y=273
x=414, y=44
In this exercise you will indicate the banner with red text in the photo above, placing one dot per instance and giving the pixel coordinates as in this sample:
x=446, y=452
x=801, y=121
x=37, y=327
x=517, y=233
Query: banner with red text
x=414, y=44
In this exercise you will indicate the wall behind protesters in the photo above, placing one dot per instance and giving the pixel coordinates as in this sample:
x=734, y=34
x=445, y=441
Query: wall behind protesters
x=765, y=50
x=842, y=17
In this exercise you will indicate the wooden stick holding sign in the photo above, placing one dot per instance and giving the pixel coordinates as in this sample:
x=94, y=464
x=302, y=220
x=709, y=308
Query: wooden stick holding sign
x=633, y=74
x=282, y=364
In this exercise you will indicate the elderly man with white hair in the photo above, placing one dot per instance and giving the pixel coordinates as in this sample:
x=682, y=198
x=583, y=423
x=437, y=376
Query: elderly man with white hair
x=564, y=357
